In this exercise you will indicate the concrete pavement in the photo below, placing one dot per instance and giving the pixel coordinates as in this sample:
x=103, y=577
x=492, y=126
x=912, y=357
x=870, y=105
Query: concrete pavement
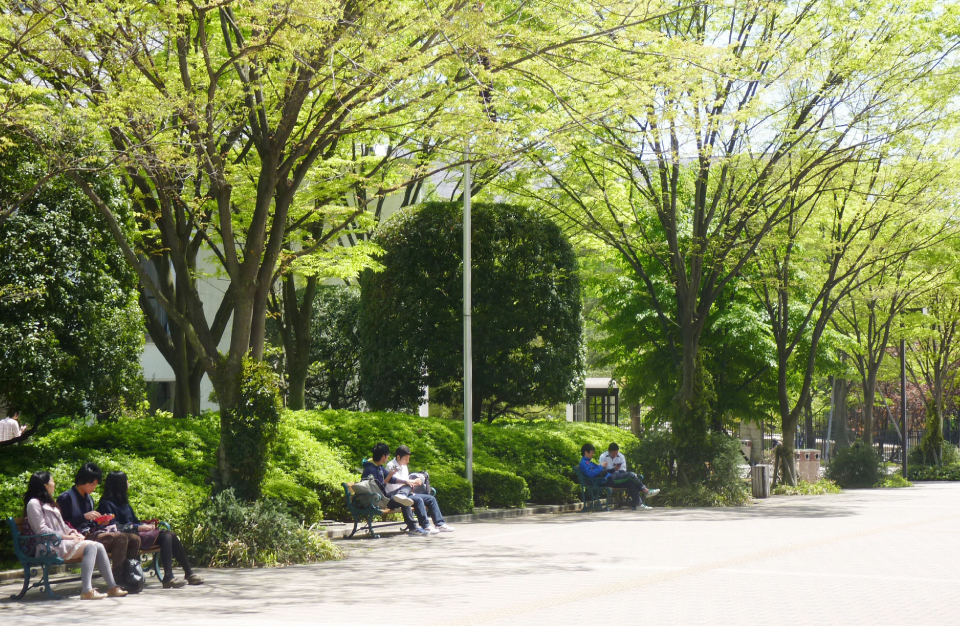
x=861, y=557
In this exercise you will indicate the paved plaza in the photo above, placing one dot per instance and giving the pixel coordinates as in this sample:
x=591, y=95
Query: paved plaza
x=861, y=557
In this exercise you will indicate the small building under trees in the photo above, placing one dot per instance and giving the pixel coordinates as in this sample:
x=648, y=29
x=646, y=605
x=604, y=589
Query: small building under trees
x=600, y=404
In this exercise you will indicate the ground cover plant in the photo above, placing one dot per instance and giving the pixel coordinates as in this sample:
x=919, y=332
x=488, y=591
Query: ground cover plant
x=804, y=488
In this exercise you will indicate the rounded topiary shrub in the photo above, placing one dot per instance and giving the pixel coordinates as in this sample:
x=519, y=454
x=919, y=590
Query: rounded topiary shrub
x=454, y=494
x=857, y=466
x=498, y=489
x=548, y=487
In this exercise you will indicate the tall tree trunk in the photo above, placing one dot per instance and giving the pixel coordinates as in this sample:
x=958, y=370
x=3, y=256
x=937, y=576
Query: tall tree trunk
x=295, y=324
x=809, y=438
x=869, y=398
x=840, y=435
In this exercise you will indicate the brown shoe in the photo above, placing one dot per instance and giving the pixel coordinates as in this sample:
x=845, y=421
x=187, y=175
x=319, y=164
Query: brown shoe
x=195, y=579
x=116, y=592
x=174, y=583
x=93, y=594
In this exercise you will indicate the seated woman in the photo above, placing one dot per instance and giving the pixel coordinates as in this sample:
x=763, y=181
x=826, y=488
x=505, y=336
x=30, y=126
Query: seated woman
x=44, y=517
x=115, y=502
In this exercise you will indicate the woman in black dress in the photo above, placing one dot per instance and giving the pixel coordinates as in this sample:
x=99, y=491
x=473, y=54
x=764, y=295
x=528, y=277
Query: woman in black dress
x=115, y=502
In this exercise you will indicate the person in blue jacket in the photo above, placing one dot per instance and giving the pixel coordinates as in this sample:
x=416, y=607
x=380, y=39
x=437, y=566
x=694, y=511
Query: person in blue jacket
x=613, y=478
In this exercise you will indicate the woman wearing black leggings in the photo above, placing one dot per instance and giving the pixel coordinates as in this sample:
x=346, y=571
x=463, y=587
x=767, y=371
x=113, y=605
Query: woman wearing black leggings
x=116, y=503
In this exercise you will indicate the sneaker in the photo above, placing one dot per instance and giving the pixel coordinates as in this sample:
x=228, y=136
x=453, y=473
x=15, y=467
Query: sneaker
x=194, y=579
x=433, y=530
x=402, y=500
x=641, y=506
x=117, y=592
x=651, y=493
x=419, y=532
x=93, y=594
x=446, y=528
x=174, y=583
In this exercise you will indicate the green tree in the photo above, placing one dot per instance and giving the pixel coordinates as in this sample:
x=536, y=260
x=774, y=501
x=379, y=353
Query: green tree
x=70, y=329
x=687, y=171
x=225, y=119
x=527, y=323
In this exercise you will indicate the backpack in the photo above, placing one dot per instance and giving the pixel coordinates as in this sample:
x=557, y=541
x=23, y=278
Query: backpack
x=425, y=487
x=133, y=579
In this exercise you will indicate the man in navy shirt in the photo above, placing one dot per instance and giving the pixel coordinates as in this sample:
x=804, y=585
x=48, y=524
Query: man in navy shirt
x=77, y=509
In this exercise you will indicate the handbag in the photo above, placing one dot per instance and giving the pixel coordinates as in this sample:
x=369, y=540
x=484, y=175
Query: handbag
x=148, y=538
x=133, y=579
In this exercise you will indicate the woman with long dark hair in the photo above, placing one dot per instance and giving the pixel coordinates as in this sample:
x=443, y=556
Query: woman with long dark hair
x=43, y=515
x=116, y=501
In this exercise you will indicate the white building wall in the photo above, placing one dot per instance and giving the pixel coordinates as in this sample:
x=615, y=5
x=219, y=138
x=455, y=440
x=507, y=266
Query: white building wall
x=211, y=289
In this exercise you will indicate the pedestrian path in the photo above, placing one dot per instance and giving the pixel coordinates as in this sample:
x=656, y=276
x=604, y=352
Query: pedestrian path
x=860, y=557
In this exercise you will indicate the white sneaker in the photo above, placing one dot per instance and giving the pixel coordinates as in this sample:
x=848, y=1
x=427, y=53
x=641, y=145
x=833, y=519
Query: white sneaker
x=446, y=528
x=651, y=493
x=403, y=500
x=433, y=530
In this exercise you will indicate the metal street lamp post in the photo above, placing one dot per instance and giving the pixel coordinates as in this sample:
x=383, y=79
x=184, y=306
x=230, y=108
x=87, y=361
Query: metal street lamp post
x=467, y=329
x=905, y=434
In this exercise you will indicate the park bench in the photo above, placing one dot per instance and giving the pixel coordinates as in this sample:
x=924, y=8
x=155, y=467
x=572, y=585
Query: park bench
x=595, y=494
x=39, y=566
x=363, y=507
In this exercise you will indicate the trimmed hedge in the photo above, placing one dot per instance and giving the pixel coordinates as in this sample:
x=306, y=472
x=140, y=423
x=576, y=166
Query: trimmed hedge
x=170, y=462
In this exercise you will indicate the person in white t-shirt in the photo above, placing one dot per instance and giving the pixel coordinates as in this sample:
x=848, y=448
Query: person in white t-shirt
x=424, y=505
x=615, y=462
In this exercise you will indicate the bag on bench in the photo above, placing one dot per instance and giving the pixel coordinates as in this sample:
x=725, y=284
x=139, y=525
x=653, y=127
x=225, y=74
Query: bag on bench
x=425, y=487
x=366, y=490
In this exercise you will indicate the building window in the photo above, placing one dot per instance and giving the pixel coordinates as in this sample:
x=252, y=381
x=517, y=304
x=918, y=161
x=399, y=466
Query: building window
x=160, y=395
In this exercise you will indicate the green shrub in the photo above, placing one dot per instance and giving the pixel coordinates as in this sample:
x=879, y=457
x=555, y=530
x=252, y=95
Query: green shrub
x=251, y=428
x=894, y=481
x=950, y=453
x=227, y=532
x=454, y=493
x=927, y=472
x=722, y=486
x=547, y=487
x=857, y=466
x=803, y=488
x=314, y=465
x=496, y=488
x=302, y=501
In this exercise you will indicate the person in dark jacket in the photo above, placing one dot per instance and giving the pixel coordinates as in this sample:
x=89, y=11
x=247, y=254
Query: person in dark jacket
x=76, y=506
x=116, y=502
x=374, y=469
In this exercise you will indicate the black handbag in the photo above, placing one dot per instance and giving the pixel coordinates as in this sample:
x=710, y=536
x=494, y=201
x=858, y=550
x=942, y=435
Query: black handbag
x=134, y=580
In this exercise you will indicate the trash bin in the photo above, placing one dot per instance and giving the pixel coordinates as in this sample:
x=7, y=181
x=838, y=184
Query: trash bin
x=760, y=476
x=808, y=464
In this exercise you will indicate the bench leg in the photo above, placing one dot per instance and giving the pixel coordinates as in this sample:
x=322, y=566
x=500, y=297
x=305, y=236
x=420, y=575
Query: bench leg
x=355, y=523
x=26, y=585
x=155, y=566
x=45, y=584
x=370, y=527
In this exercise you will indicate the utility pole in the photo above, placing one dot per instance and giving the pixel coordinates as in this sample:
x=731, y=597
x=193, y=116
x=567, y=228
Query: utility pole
x=467, y=329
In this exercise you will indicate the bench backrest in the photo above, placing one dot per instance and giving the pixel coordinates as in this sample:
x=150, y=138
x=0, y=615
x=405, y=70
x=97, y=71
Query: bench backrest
x=16, y=527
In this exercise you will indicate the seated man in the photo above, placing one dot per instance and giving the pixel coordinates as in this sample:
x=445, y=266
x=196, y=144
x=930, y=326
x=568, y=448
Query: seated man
x=77, y=509
x=398, y=481
x=613, y=478
x=373, y=469
x=613, y=460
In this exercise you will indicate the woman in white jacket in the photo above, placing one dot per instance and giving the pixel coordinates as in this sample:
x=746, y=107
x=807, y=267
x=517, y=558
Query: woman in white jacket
x=44, y=517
